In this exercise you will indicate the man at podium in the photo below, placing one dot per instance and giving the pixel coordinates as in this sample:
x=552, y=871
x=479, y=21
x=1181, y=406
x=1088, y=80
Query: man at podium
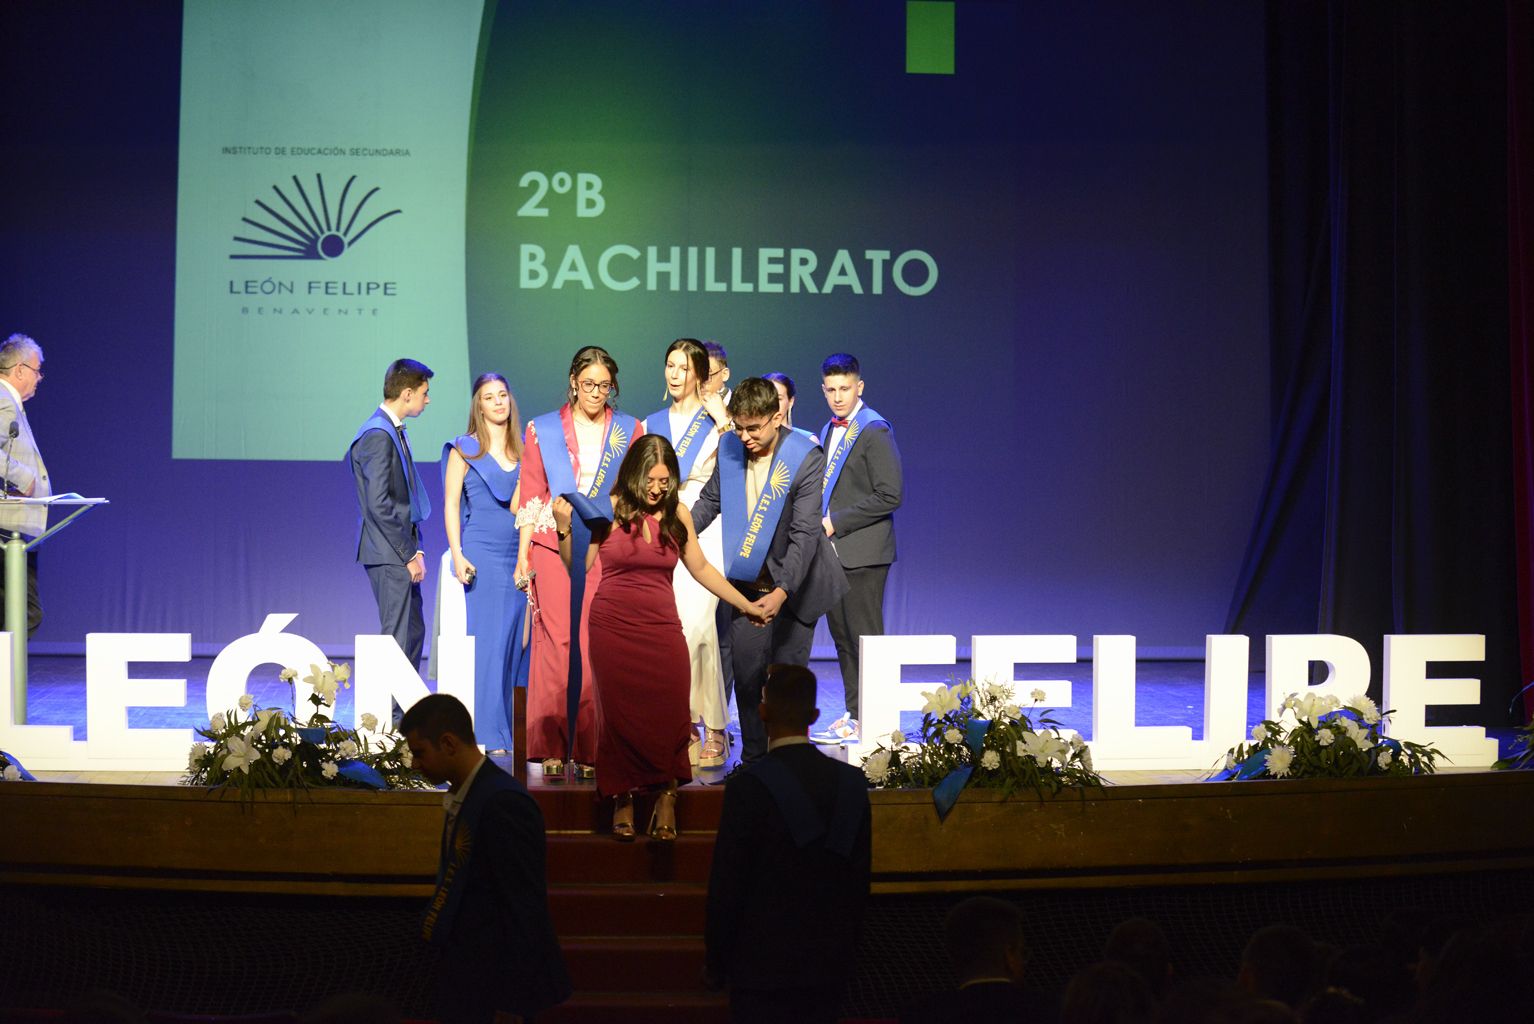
x=21, y=369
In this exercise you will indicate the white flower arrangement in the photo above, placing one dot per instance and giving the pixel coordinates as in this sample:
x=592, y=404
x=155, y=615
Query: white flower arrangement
x=254, y=747
x=980, y=728
x=1320, y=736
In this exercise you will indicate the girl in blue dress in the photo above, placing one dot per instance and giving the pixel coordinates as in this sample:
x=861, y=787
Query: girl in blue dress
x=480, y=473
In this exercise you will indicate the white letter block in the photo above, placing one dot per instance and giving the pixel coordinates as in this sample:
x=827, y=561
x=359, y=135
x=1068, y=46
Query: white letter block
x=1226, y=659
x=37, y=747
x=229, y=675
x=384, y=673
x=994, y=659
x=882, y=696
x=1116, y=741
x=1289, y=659
x=109, y=693
x=1408, y=691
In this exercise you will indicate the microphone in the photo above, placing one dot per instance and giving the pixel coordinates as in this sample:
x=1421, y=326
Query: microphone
x=10, y=440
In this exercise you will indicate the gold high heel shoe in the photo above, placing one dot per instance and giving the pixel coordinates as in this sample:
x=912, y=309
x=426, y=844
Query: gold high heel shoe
x=662, y=832
x=623, y=818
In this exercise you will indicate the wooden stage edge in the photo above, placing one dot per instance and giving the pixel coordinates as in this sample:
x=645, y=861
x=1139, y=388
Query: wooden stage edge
x=350, y=843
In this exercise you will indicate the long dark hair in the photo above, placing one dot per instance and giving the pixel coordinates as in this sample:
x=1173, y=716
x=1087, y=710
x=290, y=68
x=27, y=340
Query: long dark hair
x=697, y=358
x=647, y=452
x=477, y=428
x=587, y=356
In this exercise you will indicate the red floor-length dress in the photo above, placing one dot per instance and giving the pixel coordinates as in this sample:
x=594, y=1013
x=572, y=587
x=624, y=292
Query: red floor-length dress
x=639, y=658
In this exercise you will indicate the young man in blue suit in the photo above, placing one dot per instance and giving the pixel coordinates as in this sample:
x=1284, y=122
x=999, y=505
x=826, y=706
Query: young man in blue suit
x=393, y=502
x=863, y=487
x=489, y=916
x=766, y=486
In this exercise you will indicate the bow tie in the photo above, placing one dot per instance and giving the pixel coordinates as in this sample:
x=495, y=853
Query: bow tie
x=837, y=421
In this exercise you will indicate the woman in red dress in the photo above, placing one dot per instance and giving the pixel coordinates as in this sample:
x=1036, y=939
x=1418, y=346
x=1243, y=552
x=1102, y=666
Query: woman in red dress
x=574, y=449
x=638, y=654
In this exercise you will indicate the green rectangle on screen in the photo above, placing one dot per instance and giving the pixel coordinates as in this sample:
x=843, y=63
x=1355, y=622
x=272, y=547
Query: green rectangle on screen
x=928, y=38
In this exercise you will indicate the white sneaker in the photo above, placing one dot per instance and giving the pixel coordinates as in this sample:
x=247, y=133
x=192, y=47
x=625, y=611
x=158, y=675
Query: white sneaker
x=843, y=730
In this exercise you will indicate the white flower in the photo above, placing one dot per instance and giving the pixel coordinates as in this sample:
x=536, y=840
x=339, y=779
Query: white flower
x=990, y=760
x=343, y=672
x=347, y=749
x=1326, y=737
x=12, y=773
x=1366, y=708
x=1259, y=732
x=246, y=700
x=876, y=766
x=282, y=755
x=287, y=675
x=324, y=682
x=941, y=700
x=1012, y=711
x=1041, y=746
x=1037, y=695
x=264, y=716
x=996, y=693
x=1385, y=758
x=1290, y=702
x=897, y=737
x=216, y=723
x=241, y=755
x=370, y=722
x=1356, y=733
x=1279, y=760
x=952, y=735
x=1086, y=757
x=329, y=769
x=196, y=754
x=1077, y=743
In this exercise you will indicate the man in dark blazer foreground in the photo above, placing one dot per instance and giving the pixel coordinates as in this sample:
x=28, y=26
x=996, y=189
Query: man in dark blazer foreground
x=789, y=881
x=766, y=485
x=392, y=502
x=489, y=916
x=863, y=487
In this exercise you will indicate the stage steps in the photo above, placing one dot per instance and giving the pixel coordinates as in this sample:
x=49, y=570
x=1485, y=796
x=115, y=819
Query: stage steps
x=630, y=916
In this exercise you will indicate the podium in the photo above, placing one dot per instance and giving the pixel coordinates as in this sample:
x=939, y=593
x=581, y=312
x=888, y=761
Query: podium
x=16, y=549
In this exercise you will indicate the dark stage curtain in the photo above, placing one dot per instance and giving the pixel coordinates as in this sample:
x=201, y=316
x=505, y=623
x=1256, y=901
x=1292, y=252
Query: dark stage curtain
x=1520, y=246
x=1388, y=506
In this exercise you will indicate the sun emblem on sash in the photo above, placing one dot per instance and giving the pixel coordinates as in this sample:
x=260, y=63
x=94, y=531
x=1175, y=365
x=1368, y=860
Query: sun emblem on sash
x=463, y=844
x=778, y=482
x=617, y=440
x=852, y=433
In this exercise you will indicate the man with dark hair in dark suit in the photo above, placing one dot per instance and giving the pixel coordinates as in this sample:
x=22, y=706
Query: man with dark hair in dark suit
x=791, y=866
x=984, y=936
x=489, y=917
x=766, y=485
x=863, y=487
x=393, y=502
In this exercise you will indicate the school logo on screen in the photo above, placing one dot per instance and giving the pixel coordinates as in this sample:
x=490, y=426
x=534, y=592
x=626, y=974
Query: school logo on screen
x=312, y=222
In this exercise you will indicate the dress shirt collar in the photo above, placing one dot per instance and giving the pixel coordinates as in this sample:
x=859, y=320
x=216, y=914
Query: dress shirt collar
x=392, y=418
x=452, y=802
x=787, y=741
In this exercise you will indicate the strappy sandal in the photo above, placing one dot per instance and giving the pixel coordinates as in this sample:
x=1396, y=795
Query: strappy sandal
x=716, y=749
x=553, y=767
x=659, y=832
x=583, y=772
x=623, y=819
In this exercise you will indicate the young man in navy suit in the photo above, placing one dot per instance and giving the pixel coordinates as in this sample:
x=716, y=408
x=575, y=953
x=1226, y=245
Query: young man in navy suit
x=489, y=916
x=863, y=487
x=393, y=503
x=766, y=486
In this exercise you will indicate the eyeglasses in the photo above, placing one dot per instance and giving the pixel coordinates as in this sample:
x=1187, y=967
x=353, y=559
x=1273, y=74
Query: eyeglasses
x=35, y=369
x=717, y=372
x=591, y=387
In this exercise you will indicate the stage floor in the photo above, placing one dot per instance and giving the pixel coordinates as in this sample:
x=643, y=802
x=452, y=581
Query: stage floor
x=1167, y=693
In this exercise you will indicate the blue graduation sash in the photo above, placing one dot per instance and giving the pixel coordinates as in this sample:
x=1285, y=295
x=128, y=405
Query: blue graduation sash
x=688, y=445
x=560, y=473
x=748, y=533
x=420, y=502
x=861, y=421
